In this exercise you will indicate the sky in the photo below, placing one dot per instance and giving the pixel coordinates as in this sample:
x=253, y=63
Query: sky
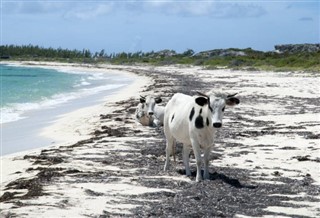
x=132, y=26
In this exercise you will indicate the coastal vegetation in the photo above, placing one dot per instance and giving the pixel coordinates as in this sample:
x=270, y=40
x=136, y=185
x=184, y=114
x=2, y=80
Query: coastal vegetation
x=285, y=57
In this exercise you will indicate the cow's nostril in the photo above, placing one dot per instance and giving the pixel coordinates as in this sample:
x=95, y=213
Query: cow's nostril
x=217, y=125
x=150, y=113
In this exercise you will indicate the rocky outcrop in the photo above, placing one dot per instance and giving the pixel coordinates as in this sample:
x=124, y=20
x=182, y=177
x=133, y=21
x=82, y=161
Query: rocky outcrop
x=163, y=54
x=221, y=53
x=234, y=52
x=295, y=48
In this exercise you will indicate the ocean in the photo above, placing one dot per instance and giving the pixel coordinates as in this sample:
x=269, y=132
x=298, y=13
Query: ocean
x=31, y=88
x=33, y=97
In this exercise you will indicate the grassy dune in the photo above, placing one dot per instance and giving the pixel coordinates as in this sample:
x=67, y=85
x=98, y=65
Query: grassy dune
x=249, y=59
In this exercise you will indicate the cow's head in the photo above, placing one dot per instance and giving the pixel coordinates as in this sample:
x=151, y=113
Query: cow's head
x=149, y=103
x=216, y=104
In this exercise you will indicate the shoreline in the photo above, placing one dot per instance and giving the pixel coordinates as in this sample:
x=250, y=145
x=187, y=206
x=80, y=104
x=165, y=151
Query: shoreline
x=64, y=129
x=52, y=125
x=264, y=162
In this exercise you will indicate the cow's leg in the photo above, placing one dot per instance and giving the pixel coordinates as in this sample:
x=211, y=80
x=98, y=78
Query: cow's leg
x=169, y=151
x=197, y=154
x=206, y=162
x=186, y=153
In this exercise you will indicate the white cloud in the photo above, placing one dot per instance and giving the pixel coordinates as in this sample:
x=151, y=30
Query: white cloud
x=69, y=9
x=218, y=9
x=240, y=10
x=89, y=12
x=31, y=7
x=180, y=8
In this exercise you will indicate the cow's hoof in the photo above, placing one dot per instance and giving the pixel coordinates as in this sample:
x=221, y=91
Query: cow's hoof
x=166, y=167
x=198, y=179
x=188, y=173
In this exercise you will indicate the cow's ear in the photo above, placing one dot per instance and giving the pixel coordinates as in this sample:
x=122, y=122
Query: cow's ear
x=158, y=100
x=201, y=100
x=232, y=101
x=142, y=100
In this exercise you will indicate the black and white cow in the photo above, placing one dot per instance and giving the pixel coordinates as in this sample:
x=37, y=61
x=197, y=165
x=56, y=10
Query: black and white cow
x=148, y=112
x=193, y=120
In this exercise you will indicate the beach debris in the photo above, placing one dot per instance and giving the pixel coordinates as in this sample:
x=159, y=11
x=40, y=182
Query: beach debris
x=306, y=158
x=93, y=193
x=108, y=131
x=44, y=159
x=8, y=196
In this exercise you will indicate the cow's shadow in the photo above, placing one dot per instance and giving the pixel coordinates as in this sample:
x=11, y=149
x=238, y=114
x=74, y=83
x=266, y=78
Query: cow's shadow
x=220, y=176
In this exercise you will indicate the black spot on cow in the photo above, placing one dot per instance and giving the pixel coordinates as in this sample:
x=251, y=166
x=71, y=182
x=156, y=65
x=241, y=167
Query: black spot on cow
x=200, y=111
x=207, y=121
x=191, y=114
x=172, y=118
x=201, y=101
x=199, y=122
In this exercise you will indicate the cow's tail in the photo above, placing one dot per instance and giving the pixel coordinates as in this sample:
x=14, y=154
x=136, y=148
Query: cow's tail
x=174, y=152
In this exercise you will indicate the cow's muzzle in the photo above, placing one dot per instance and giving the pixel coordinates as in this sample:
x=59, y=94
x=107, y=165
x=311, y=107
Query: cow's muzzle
x=217, y=125
x=150, y=113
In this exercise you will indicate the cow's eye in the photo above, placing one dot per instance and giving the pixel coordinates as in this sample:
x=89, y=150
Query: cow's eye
x=223, y=109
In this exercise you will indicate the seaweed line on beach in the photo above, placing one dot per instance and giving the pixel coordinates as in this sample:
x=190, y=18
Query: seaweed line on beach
x=123, y=152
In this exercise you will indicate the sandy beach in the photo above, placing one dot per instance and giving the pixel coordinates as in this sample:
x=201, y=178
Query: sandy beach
x=265, y=162
x=29, y=132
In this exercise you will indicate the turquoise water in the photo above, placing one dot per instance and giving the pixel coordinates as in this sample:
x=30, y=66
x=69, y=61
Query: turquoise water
x=26, y=85
x=32, y=88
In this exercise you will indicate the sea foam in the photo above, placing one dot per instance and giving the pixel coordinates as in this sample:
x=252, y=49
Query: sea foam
x=90, y=84
x=14, y=112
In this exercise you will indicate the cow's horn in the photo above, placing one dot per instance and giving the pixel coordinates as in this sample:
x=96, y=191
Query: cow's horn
x=142, y=97
x=229, y=96
x=200, y=93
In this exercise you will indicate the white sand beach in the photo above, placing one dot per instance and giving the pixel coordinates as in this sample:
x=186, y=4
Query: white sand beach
x=77, y=125
x=265, y=162
x=71, y=127
x=30, y=132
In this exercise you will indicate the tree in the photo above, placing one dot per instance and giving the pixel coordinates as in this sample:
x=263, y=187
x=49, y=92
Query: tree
x=101, y=54
x=188, y=53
